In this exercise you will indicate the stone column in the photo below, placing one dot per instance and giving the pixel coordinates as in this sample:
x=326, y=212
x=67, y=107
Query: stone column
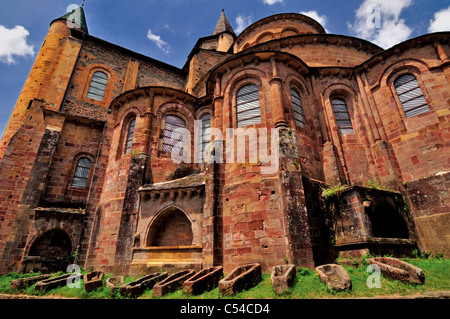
x=330, y=163
x=276, y=92
x=293, y=203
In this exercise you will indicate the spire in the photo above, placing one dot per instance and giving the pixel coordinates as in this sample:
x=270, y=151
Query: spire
x=75, y=19
x=223, y=25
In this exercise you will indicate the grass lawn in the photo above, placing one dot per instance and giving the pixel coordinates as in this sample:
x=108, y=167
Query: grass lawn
x=307, y=285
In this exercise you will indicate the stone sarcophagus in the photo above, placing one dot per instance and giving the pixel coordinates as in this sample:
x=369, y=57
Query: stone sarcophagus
x=137, y=287
x=241, y=278
x=114, y=282
x=399, y=270
x=282, y=278
x=334, y=276
x=19, y=284
x=57, y=282
x=93, y=280
x=204, y=280
x=172, y=283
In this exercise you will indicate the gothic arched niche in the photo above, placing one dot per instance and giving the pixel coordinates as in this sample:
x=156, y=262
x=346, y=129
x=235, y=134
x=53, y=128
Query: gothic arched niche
x=170, y=228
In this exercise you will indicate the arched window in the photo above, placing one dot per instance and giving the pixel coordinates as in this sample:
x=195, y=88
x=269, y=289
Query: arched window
x=81, y=175
x=299, y=115
x=343, y=120
x=172, y=139
x=410, y=95
x=97, y=86
x=248, y=111
x=130, y=132
x=205, y=135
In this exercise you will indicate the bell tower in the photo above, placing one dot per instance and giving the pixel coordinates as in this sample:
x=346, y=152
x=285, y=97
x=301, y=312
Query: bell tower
x=225, y=33
x=31, y=135
x=50, y=74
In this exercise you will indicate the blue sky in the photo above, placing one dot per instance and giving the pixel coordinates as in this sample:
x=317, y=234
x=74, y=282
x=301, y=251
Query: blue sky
x=168, y=29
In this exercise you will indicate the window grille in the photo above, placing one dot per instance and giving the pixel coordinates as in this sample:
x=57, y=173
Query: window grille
x=205, y=135
x=410, y=95
x=130, y=133
x=97, y=86
x=81, y=175
x=299, y=115
x=248, y=110
x=171, y=139
x=342, y=115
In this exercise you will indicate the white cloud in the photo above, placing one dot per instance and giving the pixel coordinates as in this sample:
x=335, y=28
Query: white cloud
x=242, y=22
x=271, y=2
x=379, y=22
x=163, y=45
x=441, y=21
x=13, y=42
x=322, y=19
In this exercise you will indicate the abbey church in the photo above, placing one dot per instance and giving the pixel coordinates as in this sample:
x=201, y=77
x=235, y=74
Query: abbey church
x=87, y=174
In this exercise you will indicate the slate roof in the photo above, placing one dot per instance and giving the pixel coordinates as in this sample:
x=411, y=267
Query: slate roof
x=223, y=25
x=77, y=17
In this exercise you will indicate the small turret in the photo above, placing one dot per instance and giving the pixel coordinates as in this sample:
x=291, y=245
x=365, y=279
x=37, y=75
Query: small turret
x=223, y=25
x=76, y=19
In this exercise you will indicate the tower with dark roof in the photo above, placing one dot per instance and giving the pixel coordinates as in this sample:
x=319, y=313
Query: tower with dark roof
x=223, y=25
x=75, y=19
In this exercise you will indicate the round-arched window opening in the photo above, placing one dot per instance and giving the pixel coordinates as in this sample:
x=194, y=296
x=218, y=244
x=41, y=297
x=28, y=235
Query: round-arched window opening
x=52, y=244
x=387, y=222
x=172, y=228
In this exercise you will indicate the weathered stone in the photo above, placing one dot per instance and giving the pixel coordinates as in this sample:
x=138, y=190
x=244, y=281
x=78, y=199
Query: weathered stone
x=241, y=278
x=114, y=282
x=19, y=284
x=232, y=213
x=93, y=280
x=399, y=270
x=282, y=278
x=56, y=282
x=204, y=280
x=334, y=276
x=172, y=283
x=137, y=287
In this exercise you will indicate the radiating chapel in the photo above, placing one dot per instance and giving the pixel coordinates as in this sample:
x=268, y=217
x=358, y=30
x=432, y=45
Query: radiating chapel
x=87, y=174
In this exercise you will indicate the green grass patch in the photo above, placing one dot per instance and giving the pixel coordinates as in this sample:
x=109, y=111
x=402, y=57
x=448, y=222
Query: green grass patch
x=307, y=285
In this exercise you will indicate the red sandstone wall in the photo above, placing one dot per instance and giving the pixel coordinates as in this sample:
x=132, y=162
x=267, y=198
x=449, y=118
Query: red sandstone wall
x=76, y=140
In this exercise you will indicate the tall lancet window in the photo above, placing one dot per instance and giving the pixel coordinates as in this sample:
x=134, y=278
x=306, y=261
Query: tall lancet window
x=81, y=175
x=130, y=133
x=342, y=115
x=248, y=111
x=172, y=136
x=299, y=115
x=204, y=136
